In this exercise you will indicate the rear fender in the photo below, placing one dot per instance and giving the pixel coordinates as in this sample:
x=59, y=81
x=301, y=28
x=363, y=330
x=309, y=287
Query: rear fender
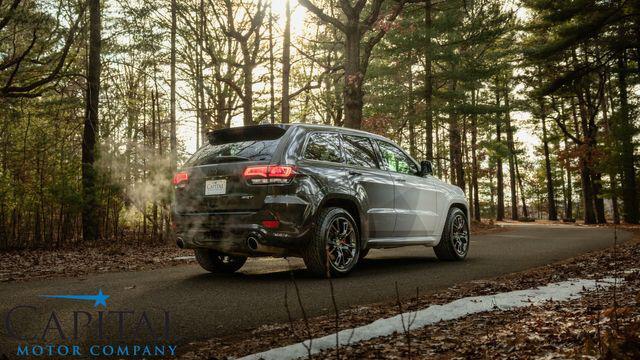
x=454, y=198
x=353, y=206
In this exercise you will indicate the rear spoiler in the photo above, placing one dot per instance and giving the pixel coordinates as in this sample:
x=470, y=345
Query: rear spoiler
x=247, y=133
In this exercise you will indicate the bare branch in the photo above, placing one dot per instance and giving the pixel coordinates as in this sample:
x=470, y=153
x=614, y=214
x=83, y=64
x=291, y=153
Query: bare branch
x=360, y=5
x=23, y=91
x=232, y=85
x=562, y=125
x=320, y=14
x=10, y=14
x=373, y=16
x=348, y=10
x=373, y=41
x=17, y=60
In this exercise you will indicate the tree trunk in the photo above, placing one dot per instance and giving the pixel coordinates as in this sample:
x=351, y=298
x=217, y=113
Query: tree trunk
x=428, y=84
x=474, y=160
x=286, y=63
x=353, y=78
x=585, y=172
x=499, y=174
x=625, y=132
x=162, y=207
x=90, y=221
x=223, y=100
x=174, y=139
x=411, y=113
x=585, y=178
x=614, y=198
x=205, y=125
x=199, y=85
x=272, y=96
x=492, y=191
x=568, y=213
x=247, y=99
x=551, y=196
x=525, y=211
x=455, y=144
x=596, y=182
x=512, y=151
x=612, y=167
x=467, y=162
x=154, y=211
x=439, y=167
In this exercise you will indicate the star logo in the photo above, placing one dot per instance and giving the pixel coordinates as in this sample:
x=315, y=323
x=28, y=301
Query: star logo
x=100, y=298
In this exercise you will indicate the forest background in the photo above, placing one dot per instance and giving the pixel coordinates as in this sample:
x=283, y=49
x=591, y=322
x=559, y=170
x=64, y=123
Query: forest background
x=530, y=106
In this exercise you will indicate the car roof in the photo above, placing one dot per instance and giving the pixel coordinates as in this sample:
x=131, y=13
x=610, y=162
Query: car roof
x=322, y=127
x=313, y=127
x=303, y=126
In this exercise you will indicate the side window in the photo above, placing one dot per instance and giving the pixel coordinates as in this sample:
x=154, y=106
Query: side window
x=359, y=151
x=323, y=146
x=396, y=160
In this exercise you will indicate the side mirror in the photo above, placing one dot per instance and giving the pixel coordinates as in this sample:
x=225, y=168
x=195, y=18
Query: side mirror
x=426, y=168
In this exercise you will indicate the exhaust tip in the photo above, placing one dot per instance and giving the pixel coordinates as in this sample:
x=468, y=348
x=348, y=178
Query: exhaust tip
x=252, y=242
x=180, y=243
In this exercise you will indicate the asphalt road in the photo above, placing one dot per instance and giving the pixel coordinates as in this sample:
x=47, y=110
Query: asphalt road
x=204, y=305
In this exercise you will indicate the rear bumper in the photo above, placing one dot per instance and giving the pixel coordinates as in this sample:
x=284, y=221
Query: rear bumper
x=231, y=232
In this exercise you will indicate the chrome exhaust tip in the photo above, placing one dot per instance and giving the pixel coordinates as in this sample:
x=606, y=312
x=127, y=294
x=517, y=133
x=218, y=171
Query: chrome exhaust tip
x=252, y=242
x=256, y=247
x=180, y=243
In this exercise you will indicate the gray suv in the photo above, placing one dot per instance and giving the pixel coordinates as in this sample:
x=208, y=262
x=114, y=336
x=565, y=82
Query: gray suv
x=325, y=194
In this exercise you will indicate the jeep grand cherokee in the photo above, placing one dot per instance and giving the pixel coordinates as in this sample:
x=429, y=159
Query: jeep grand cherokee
x=325, y=194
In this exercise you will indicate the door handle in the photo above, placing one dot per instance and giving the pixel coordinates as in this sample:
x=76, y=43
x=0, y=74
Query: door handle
x=353, y=173
x=399, y=179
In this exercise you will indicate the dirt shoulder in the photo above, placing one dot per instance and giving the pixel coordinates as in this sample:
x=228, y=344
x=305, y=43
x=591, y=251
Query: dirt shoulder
x=22, y=265
x=601, y=324
x=486, y=227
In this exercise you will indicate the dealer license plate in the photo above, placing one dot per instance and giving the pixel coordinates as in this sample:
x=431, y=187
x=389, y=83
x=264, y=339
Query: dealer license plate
x=215, y=187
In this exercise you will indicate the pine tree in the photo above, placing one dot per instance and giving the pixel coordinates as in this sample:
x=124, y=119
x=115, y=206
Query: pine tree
x=90, y=225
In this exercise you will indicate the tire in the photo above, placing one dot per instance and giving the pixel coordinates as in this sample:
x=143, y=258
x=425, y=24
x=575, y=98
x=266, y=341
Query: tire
x=333, y=236
x=454, y=243
x=216, y=262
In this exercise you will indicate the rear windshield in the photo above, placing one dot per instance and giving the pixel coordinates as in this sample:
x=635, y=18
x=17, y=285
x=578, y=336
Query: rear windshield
x=256, y=143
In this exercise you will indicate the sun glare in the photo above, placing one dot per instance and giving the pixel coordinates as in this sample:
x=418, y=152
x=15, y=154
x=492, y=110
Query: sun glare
x=298, y=16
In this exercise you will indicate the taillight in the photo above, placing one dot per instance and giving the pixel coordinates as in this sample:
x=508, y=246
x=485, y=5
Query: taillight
x=272, y=174
x=256, y=171
x=279, y=171
x=180, y=179
x=271, y=224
